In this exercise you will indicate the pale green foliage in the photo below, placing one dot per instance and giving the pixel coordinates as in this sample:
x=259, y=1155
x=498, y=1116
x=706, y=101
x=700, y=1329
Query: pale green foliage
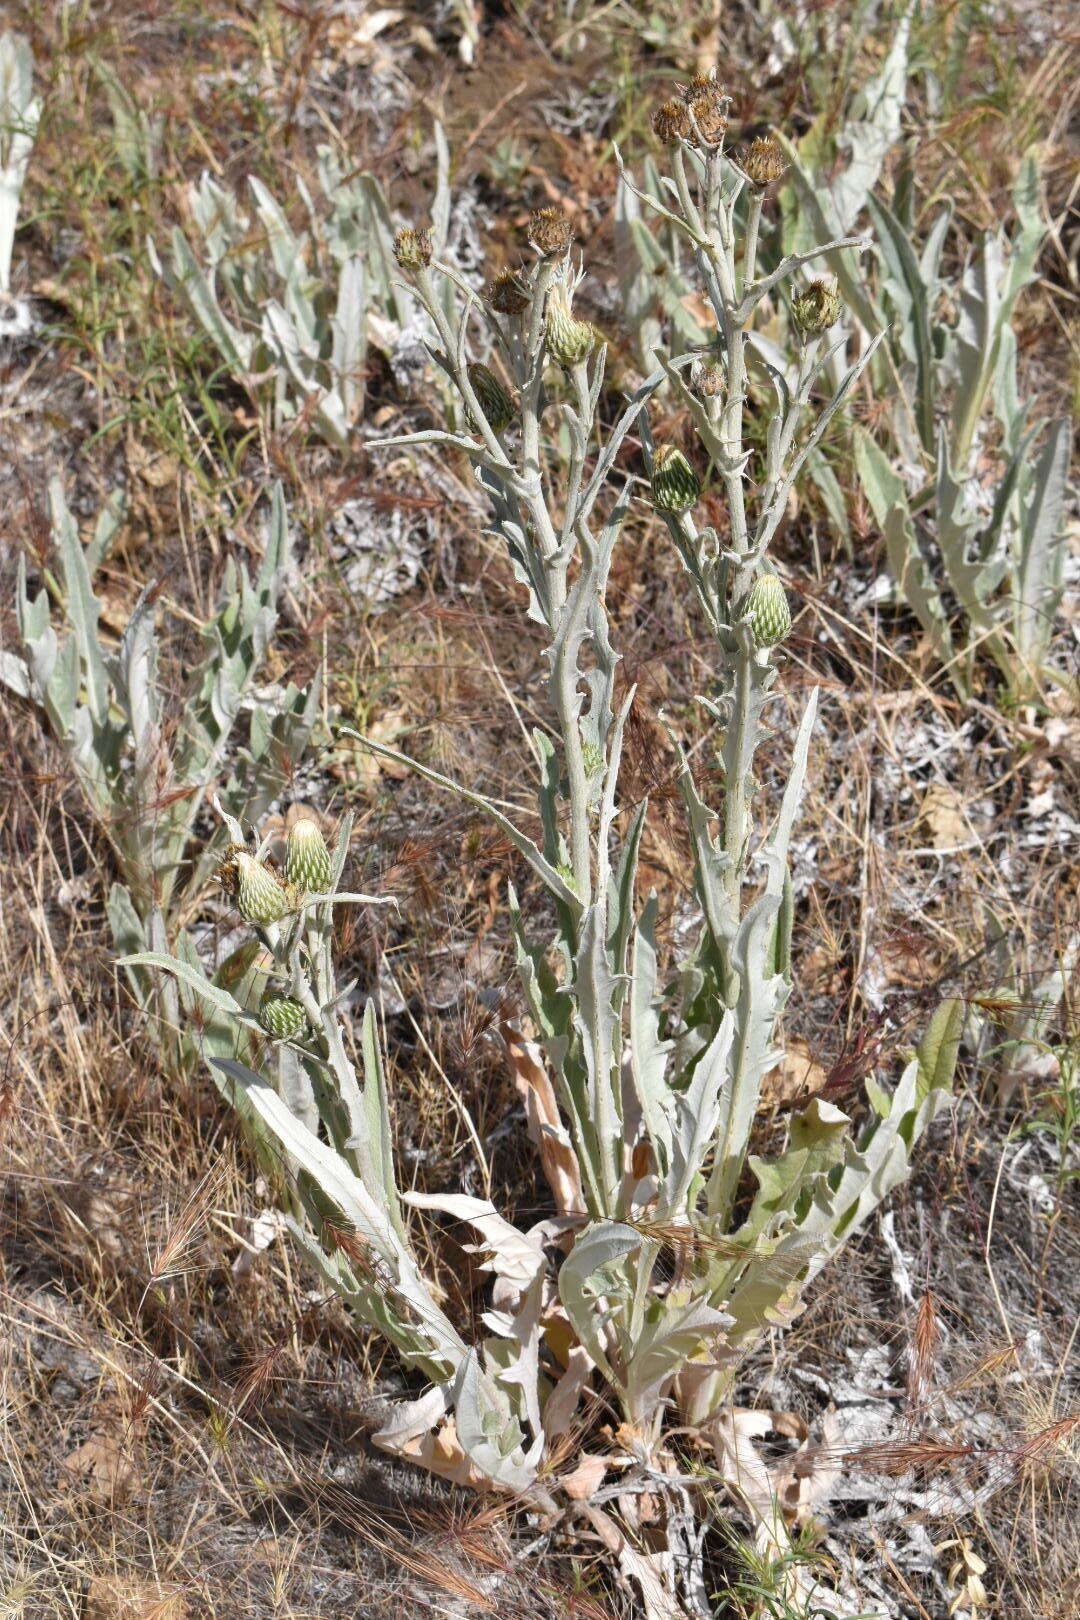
x=291, y=313
x=144, y=781
x=953, y=539
x=20, y=110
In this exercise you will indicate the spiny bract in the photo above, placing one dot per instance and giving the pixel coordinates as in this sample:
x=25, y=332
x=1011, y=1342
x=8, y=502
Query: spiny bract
x=768, y=611
x=675, y=485
x=569, y=340
x=307, y=859
x=281, y=1016
x=260, y=897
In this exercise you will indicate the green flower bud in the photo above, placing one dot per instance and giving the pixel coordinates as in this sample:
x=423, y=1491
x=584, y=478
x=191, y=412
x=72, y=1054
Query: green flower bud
x=307, y=859
x=412, y=248
x=766, y=607
x=260, y=896
x=569, y=340
x=497, y=404
x=282, y=1016
x=816, y=308
x=550, y=232
x=675, y=485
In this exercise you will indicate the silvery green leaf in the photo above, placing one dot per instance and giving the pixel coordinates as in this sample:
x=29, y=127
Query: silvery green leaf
x=591, y=1272
x=16, y=676
x=1042, y=547
x=695, y=1114
x=488, y=1431
x=888, y=501
x=595, y=987
x=349, y=336
x=676, y=1329
x=235, y=347
x=359, y=1208
x=648, y=1053
x=82, y=605
x=190, y=975
x=506, y=1251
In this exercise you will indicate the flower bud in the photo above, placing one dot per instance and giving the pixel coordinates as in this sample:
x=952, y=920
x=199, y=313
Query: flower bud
x=766, y=607
x=569, y=340
x=708, y=107
x=508, y=294
x=675, y=485
x=763, y=162
x=671, y=122
x=260, y=896
x=550, y=232
x=282, y=1016
x=496, y=403
x=412, y=248
x=307, y=859
x=816, y=308
x=708, y=381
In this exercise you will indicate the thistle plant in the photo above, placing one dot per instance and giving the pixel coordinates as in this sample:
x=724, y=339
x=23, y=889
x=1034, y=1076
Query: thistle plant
x=657, y=1068
x=672, y=1247
x=144, y=776
x=20, y=110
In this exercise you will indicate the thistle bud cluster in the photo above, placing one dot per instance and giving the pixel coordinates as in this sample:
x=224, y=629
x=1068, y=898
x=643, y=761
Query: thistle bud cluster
x=815, y=308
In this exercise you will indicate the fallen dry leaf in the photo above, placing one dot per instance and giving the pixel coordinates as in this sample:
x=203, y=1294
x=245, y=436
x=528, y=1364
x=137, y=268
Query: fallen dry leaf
x=101, y=1467
x=585, y=1480
x=546, y=1131
x=798, y=1074
x=943, y=816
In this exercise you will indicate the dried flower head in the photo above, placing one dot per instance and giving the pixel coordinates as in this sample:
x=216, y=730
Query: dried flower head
x=763, y=161
x=816, y=308
x=507, y=294
x=708, y=381
x=671, y=122
x=550, y=232
x=412, y=248
x=707, y=104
